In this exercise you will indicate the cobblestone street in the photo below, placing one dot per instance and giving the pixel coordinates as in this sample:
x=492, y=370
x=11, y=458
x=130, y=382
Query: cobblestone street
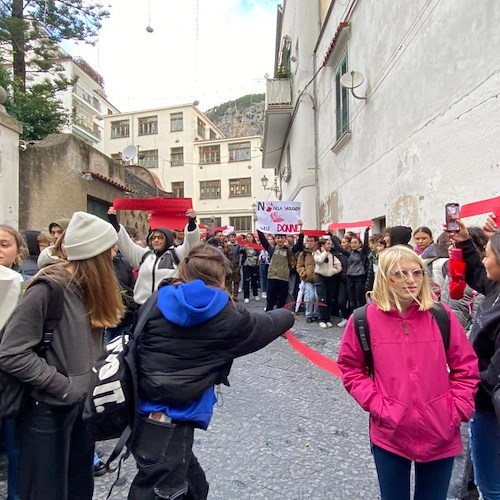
x=285, y=430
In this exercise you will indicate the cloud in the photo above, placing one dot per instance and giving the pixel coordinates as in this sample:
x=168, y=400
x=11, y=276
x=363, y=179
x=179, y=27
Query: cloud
x=216, y=52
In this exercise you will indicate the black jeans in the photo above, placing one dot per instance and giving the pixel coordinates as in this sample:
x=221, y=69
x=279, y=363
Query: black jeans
x=250, y=276
x=327, y=288
x=342, y=300
x=356, y=291
x=277, y=292
x=56, y=453
x=167, y=466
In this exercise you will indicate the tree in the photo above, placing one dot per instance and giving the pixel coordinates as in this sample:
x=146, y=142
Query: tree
x=37, y=108
x=31, y=30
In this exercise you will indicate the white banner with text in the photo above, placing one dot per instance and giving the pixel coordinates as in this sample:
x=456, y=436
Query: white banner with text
x=278, y=217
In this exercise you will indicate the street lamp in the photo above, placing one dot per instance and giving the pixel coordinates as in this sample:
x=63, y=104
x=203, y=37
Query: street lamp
x=265, y=181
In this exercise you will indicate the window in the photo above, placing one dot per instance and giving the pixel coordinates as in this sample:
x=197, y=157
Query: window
x=178, y=189
x=213, y=135
x=239, y=151
x=211, y=222
x=148, y=159
x=209, y=190
x=148, y=125
x=120, y=128
x=240, y=187
x=176, y=157
x=209, y=154
x=241, y=223
x=176, y=122
x=201, y=128
x=341, y=99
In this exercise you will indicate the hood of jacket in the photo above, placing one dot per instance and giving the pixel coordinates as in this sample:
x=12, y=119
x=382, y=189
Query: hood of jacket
x=190, y=304
x=169, y=238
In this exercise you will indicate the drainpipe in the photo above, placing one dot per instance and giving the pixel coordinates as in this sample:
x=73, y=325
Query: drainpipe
x=316, y=138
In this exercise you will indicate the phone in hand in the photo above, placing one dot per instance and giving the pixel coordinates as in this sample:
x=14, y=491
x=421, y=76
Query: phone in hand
x=452, y=213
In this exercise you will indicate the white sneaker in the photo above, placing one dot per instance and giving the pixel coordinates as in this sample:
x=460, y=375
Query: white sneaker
x=342, y=323
x=329, y=325
x=322, y=324
x=240, y=290
x=264, y=295
x=246, y=301
x=257, y=298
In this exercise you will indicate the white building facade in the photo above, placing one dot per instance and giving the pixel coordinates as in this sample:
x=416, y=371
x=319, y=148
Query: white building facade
x=427, y=132
x=193, y=159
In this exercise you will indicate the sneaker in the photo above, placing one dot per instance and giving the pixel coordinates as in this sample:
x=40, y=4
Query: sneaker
x=246, y=301
x=342, y=323
x=99, y=467
x=264, y=295
x=240, y=290
x=329, y=325
x=309, y=320
x=322, y=324
x=257, y=298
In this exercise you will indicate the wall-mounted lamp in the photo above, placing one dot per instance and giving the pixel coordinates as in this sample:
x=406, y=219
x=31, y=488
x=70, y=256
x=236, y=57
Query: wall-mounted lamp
x=86, y=176
x=352, y=80
x=265, y=181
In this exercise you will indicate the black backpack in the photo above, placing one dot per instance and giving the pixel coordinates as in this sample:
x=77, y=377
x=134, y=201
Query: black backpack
x=13, y=392
x=363, y=332
x=111, y=406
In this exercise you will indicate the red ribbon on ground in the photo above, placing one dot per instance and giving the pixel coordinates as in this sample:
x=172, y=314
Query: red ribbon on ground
x=313, y=356
x=347, y=225
x=481, y=207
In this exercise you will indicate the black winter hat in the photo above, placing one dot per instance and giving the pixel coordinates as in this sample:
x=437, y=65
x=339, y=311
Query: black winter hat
x=400, y=235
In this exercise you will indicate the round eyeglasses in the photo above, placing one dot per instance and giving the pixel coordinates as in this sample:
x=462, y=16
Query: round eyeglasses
x=402, y=275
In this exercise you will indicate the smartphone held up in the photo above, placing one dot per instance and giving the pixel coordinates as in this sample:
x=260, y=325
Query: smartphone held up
x=452, y=213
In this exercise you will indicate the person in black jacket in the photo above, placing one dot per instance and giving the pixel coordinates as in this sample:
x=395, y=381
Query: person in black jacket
x=189, y=342
x=485, y=338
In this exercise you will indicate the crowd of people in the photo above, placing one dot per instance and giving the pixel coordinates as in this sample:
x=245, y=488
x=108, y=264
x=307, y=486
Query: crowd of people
x=420, y=381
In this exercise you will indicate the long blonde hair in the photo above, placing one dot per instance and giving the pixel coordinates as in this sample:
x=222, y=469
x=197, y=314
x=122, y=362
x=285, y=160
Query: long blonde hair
x=97, y=279
x=383, y=294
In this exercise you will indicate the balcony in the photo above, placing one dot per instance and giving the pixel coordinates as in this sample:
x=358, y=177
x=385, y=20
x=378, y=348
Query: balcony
x=85, y=97
x=279, y=108
x=86, y=126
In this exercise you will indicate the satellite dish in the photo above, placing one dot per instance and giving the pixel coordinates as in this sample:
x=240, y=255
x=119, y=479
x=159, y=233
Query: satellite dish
x=129, y=153
x=351, y=79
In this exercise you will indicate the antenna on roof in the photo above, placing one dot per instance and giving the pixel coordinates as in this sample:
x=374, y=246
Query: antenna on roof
x=129, y=153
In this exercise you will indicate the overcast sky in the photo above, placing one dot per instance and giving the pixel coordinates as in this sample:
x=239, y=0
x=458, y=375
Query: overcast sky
x=223, y=56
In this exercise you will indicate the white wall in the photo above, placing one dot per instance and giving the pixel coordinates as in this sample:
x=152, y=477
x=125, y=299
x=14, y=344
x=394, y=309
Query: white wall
x=9, y=169
x=428, y=133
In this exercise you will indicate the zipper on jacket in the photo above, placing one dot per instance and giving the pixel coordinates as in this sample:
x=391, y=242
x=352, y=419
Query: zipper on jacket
x=158, y=257
x=405, y=329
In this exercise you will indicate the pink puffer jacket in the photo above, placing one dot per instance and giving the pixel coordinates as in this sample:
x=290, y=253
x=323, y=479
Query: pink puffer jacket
x=416, y=404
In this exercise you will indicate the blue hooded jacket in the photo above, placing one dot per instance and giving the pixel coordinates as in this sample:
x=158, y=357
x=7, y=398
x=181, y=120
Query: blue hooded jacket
x=188, y=305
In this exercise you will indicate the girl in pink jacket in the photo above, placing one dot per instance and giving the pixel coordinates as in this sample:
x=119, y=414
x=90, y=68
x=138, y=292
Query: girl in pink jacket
x=419, y=392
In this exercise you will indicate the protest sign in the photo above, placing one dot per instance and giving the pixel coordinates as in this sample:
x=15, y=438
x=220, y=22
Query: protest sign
x=278, y=217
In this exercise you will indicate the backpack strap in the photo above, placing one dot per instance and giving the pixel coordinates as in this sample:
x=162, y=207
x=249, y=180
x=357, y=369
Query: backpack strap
x=443, y=321
x=145, y=255
x=363, y=334
x=54, y=311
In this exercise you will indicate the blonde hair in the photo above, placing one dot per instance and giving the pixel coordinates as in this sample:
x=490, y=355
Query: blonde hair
x=383, y=294
x=97, y=279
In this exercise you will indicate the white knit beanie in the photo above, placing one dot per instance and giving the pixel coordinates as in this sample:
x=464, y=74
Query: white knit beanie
x=88, y=236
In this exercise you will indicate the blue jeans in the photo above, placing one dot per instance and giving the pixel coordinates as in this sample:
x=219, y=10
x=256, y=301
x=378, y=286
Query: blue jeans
x=310, y=297
x=431, y=478
x=10, y=438
x=485, y=450
x=263, y=268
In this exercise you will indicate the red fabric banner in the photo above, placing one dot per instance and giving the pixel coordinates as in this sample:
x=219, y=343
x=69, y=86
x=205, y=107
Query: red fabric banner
x=347, y=225
x=315, y=232
x=153, y=204
x=245, y=243
x=165, y=212
x=481, y=207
